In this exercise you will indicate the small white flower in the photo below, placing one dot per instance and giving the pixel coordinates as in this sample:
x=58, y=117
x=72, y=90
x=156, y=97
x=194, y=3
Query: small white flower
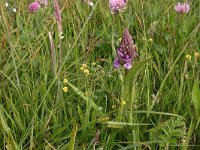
x=14, y=10
x=91, y=4
x=6, y=4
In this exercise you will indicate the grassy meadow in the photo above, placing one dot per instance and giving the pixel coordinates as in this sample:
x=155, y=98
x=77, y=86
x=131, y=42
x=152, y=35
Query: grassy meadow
x=62, y=92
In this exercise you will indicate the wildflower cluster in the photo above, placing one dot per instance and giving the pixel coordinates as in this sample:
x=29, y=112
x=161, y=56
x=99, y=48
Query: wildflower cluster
x=120, y=5
x=84, y=68
x=188, y=57
x=33, y=7
x=65, y=89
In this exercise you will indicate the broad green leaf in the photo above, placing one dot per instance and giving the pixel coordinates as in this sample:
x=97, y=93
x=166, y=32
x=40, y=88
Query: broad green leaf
x=196, y=97
x=132, y=74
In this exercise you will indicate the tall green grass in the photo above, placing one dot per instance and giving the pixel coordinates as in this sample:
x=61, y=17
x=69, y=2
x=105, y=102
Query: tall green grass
x=35, y=113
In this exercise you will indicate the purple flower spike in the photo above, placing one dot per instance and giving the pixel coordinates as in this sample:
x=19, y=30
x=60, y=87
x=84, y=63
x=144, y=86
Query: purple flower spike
x=33, y=7
x=126, y=52
x=182, y=8
x=117, y=5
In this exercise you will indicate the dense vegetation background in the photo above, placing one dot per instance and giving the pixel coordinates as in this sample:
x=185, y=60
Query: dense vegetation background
x=40, y=111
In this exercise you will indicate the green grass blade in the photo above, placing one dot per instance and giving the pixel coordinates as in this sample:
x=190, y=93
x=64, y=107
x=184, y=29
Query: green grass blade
x=196, y=97
x=87, y=99
x=73, y=138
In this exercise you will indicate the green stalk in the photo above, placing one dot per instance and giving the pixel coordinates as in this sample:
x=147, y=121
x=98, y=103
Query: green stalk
x=181, y=87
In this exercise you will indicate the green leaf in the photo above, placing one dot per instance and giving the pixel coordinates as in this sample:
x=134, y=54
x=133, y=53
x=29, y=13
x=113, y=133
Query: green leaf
x=132, y=75
x=196, y=97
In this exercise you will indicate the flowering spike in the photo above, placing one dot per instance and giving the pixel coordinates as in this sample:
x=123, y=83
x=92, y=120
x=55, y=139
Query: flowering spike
x=58, y=17
x=117, y=5
x=126, y=52
x=57, y=11
x=182, y=8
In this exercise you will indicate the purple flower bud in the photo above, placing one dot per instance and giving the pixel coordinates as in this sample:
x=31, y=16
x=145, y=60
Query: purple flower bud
x=33, y=7
x=182, y=8
x=127, y=57
x=121, y=54
x=117, y=5
x=116, y=63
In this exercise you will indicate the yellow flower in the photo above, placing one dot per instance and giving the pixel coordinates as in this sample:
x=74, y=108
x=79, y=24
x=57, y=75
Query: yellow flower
x=65, y=81
x=150, y=40
x=65, y=89
x=196, y=55
x=87, y=72
x=123, y=102
x=188, y=57
x=84, y=66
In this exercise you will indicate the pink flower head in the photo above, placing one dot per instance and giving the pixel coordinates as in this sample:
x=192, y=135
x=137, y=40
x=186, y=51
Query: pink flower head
x=182, y=8
x=33, y=7
x=117, y=5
